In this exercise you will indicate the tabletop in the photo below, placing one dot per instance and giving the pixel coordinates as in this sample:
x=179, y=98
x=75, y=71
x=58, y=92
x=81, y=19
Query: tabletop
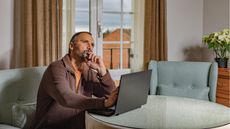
x=168, y=112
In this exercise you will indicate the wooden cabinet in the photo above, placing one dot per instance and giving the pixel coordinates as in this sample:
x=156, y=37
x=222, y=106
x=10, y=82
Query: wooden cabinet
x=223, y=87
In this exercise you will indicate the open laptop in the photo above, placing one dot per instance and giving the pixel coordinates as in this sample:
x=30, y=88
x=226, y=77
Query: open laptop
x=133, y=93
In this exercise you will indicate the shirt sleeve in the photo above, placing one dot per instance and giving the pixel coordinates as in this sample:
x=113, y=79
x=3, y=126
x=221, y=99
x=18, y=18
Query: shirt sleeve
x=105, y=87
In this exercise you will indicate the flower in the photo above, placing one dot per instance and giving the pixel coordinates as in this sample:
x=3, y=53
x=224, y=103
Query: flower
x=219, y=42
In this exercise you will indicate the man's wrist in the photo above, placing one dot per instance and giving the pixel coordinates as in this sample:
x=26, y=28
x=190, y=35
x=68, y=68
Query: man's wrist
x=101, y=71
x=105, y=103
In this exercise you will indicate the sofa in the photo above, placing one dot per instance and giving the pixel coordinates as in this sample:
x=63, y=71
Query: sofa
x=18, y=93
x=197, y=80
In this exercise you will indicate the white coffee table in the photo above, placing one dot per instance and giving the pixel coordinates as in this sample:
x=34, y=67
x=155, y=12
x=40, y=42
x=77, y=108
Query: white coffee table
x=168, y=113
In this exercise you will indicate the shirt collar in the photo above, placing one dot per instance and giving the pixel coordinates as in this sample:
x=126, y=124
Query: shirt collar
x=69, y=67
x=67, y=63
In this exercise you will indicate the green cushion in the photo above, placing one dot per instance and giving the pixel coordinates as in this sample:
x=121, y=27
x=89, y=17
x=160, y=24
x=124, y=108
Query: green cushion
x=187, y=91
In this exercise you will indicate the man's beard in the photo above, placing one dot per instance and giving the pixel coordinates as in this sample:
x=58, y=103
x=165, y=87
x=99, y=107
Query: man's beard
x=84, y=55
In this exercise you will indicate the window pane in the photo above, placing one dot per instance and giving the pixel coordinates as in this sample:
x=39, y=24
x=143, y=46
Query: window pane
x=128, y=21
x=126, y=55
x=112, y=38
x=127, y=31
x=111, y=22
x=111, y=55
x=127, y=5
x=126, y=47
x=127, y=25
x=81, y=15
x=82, y=21
x=112, y=5
x=82, y=5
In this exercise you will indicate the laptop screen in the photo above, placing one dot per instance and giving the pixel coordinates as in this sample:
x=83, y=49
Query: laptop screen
x=133, y=91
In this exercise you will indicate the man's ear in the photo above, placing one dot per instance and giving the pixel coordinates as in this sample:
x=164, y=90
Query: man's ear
x=71, y=45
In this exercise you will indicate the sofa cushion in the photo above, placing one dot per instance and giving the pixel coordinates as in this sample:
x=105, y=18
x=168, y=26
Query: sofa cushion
x=22, y=114
x=183, y=73
x=2, y=126
x=190, y=92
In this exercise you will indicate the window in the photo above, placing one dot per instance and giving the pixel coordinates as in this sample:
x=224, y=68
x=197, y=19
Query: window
x=82, y=15
x=112, y=24
x=117, y=32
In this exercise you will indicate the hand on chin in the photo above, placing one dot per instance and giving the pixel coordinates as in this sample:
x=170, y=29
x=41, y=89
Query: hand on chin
x=92, y=65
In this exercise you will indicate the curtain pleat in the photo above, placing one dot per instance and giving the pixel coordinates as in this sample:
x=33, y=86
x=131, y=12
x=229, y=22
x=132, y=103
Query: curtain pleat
x=39, y=52
x=40, y=32
x=155, y=38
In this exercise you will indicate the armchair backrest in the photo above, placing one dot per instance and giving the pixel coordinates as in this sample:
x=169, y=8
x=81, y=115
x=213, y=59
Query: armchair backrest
x=185, y=79
x=18, y=86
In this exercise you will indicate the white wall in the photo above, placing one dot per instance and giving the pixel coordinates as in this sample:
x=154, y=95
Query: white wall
x=216, y=17
x=6, y=32
x=185, y=24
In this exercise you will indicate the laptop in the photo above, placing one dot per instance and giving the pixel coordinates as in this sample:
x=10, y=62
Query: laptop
x=133, y=93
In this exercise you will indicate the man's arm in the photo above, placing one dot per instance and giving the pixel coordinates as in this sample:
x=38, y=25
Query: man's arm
x=106, y=84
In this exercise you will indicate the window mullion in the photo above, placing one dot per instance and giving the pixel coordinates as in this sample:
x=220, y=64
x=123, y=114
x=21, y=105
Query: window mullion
x=95, y=24
x=121, y=37
x=99, y=27
x=92, y=19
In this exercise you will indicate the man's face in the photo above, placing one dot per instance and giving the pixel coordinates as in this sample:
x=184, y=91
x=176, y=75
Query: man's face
x=84, y=42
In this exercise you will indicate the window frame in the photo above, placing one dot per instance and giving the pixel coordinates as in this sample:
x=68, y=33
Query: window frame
x=137, y=41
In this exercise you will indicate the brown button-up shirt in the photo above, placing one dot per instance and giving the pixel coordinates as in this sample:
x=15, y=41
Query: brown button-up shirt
x=58, y=105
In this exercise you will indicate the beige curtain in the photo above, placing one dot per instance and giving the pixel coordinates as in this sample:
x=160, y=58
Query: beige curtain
x=155, y=38
x=38, y=33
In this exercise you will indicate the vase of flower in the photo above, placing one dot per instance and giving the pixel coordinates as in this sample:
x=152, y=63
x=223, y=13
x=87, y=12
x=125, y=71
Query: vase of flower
x=219, y=42
x=222, y=63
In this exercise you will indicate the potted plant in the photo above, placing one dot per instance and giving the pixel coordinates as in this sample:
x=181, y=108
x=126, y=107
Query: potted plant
x=219, y=42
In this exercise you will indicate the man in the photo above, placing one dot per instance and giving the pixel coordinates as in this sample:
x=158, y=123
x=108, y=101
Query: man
x=68, y=85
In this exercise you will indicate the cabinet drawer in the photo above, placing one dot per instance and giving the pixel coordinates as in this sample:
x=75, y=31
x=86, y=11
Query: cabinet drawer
x=224, y=72
x=223, y=84
x=223, y=101
x=223, y=94
x=220, y=91
x=223, y=87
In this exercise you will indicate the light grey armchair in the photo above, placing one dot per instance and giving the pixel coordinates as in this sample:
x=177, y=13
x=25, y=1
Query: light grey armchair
x=18, y=93
x=196, y=80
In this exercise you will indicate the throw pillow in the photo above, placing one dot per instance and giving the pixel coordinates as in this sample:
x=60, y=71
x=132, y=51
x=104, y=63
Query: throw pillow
x=22, y=114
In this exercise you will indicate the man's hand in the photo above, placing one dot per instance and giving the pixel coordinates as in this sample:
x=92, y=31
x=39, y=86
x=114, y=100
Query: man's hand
x=96, y=63
x=112, y=98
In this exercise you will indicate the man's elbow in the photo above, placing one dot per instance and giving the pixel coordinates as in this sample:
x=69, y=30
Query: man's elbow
x=64, y=100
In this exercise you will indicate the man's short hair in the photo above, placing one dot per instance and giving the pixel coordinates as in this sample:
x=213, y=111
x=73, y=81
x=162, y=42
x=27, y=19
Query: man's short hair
x=74, y=37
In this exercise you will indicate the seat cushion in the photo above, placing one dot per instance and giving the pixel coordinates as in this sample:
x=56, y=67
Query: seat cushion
x=2, y=126
x=186, y=91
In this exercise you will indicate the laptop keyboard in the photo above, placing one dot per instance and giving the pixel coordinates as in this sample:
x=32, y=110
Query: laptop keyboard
x=104, y=112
